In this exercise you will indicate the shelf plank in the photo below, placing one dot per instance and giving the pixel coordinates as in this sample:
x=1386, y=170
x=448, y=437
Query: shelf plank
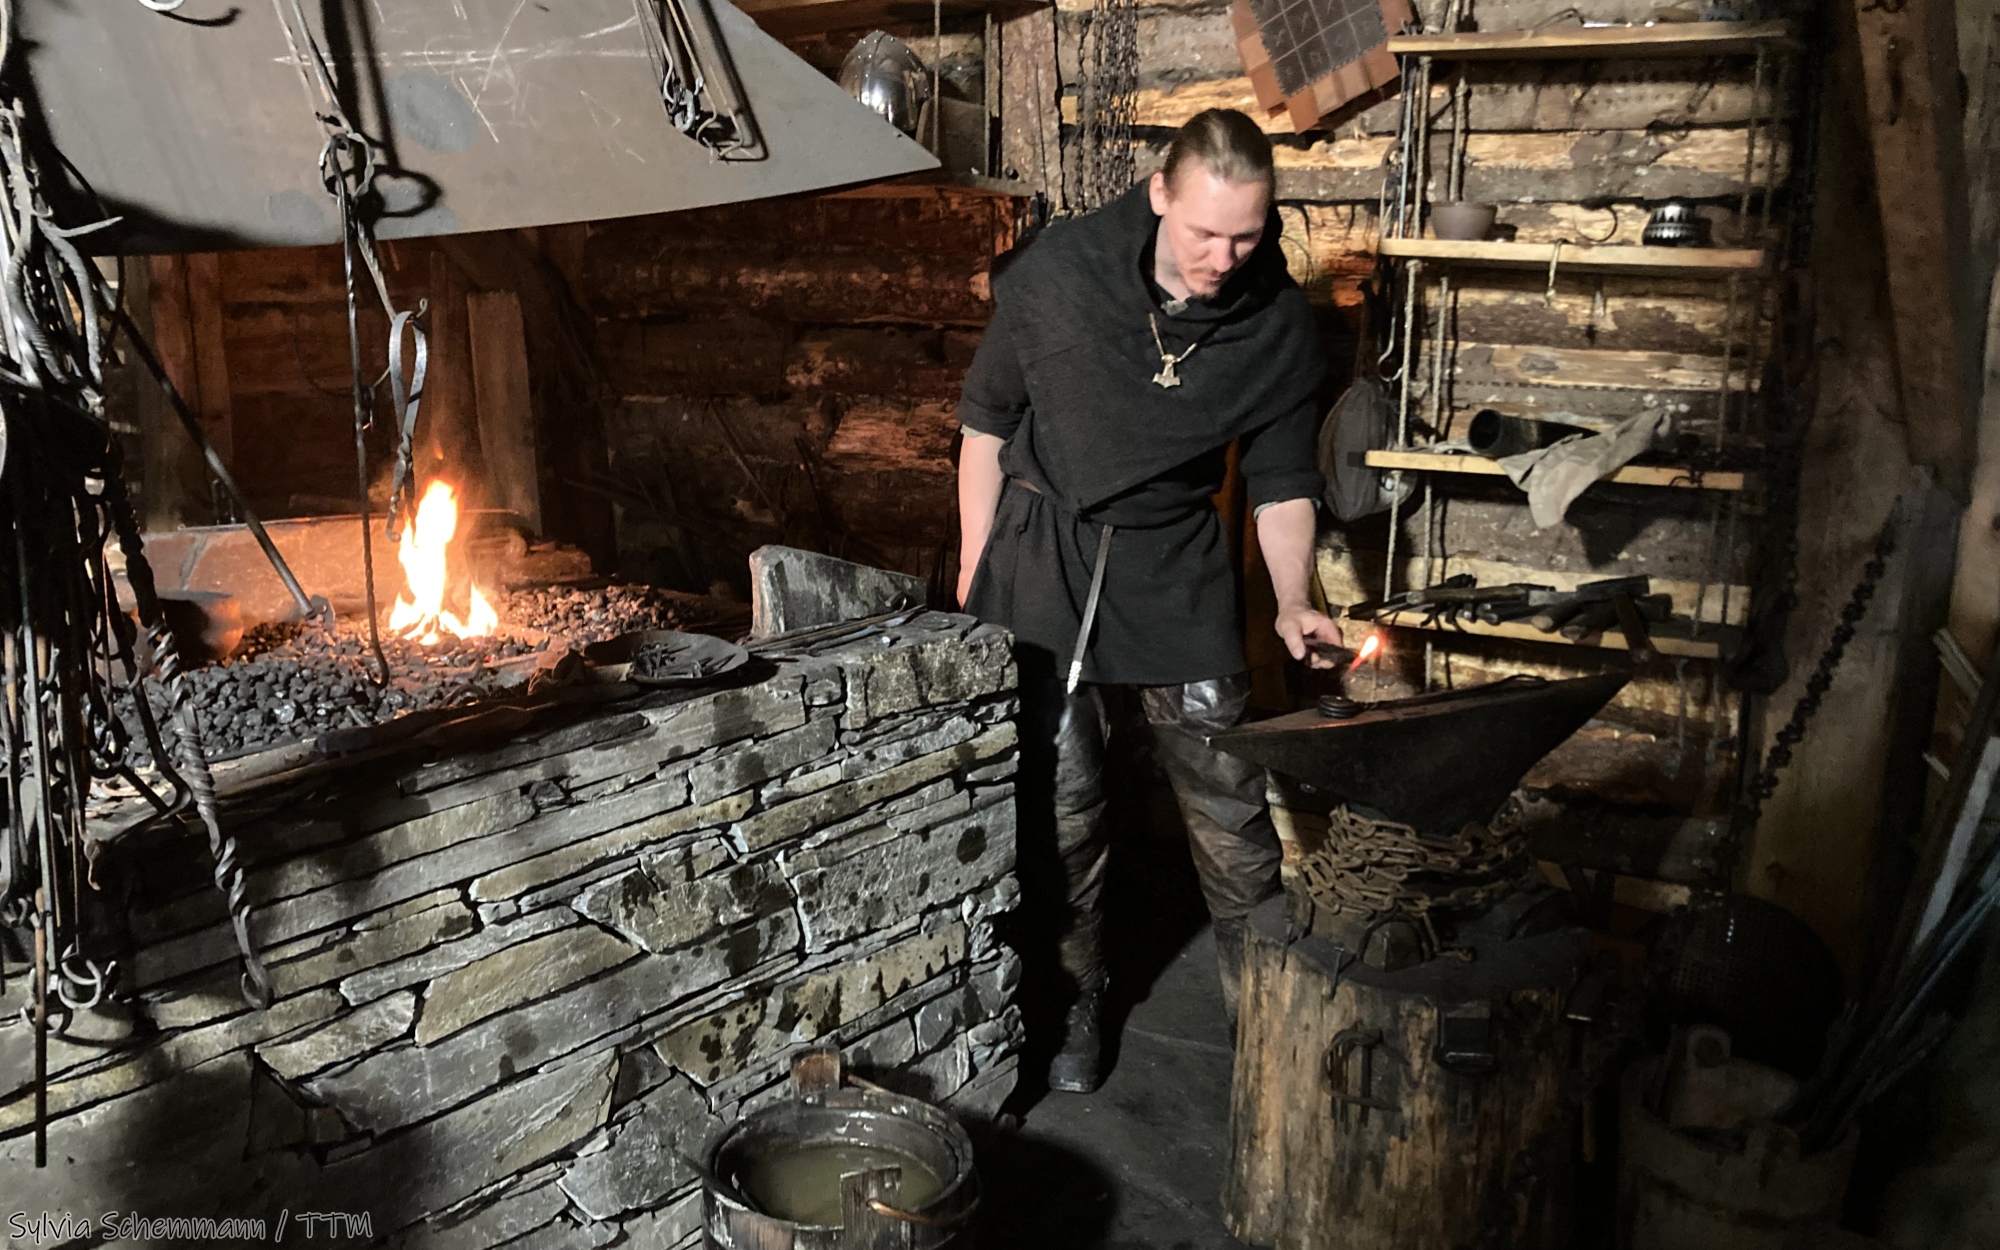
x=1658, y=40
x=1661, y=262
x=1671, y=637
x=1630, y=475
x=787, y=19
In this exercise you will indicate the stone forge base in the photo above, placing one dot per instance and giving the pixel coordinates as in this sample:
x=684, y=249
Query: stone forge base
x=512, y=985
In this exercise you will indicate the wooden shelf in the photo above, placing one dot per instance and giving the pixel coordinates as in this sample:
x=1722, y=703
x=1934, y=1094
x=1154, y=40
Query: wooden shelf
x=1659, y=262
x=1671, y=637
x=1630, y=475
x=1659, y=40
x=786, y=19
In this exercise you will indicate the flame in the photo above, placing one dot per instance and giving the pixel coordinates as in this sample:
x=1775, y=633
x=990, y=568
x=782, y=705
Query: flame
x=1369, y=650
x=424, y=568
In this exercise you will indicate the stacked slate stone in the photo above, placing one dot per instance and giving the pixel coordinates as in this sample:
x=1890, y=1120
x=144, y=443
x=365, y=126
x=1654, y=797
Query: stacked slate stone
x=514, y=988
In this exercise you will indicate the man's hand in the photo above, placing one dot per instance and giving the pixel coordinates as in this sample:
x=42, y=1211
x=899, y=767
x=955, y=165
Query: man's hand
x=1301, y=625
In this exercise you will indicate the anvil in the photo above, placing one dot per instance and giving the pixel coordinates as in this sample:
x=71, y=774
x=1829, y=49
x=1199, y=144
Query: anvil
x=1435, y=761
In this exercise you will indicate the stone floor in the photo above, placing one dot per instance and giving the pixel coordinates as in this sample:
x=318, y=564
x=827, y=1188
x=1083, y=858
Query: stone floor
x=1139, y=1164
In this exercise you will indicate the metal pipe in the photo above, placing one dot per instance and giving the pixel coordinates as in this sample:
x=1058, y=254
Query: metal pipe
x=1492, y=433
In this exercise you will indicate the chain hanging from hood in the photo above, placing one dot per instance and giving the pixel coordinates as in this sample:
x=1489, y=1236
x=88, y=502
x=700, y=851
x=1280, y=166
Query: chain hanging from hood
x=1103, y=143
x=348, y=168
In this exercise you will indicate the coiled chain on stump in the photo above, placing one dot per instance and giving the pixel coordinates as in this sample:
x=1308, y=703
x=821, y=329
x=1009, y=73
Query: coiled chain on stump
x=1765, y=783
x=1375, y=869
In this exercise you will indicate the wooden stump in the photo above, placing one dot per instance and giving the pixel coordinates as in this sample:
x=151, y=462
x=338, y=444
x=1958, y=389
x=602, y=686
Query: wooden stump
x=1379, y=1110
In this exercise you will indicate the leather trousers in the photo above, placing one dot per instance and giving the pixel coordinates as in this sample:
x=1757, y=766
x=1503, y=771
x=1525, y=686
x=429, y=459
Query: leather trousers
x=1064, y=844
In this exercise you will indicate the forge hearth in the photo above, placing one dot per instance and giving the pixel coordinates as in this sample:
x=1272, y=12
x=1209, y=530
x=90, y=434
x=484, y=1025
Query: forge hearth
x=289, y=681
x=522, y=955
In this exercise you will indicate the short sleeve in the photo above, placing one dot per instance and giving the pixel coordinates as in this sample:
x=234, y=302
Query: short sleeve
x=1280, y=461
x=994, y=398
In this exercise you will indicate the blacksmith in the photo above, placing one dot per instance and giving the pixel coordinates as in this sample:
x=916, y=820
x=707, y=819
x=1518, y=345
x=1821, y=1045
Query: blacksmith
x=1128, y=350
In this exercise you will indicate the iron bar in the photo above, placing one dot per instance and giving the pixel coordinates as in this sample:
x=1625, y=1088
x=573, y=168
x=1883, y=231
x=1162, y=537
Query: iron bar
x=309, y=608
x=360, y=423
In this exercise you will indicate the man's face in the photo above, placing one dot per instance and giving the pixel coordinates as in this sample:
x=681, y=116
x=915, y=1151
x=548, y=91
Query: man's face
x=1210, y=225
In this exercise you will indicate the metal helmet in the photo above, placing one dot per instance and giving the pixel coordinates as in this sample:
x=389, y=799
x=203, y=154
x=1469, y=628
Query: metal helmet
x=884, y=74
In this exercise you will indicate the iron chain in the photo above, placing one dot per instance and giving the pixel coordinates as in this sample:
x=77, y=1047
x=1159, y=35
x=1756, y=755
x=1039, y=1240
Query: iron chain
x=1761, y=787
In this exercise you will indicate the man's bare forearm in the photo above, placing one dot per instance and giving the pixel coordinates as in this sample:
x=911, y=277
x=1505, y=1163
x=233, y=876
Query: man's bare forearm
x=1285, y=532
x=980, y=479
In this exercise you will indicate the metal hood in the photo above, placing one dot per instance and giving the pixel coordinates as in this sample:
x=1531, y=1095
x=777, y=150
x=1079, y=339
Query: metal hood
x=197, y=128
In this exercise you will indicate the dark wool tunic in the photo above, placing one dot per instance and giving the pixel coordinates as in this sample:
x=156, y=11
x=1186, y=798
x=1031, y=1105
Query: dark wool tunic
x=1064, y=374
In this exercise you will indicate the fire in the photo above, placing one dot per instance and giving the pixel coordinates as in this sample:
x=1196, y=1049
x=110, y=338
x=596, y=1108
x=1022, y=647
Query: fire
x=423, y=557
x=1369, y=650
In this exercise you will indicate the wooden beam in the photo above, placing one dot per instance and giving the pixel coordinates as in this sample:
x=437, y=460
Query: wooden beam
x=187, y=327
x=1909, y=59
x=1660, y=39
x=211, y=364
x=1630, y=475
x=1664, y=262
x=1643, y=893
x=563, y=372
x=506, y=413
x=172, y=490
x=1503, y=97
x=1975, y=591
x=789, y=19
x=447, y=438
x=1030, y=134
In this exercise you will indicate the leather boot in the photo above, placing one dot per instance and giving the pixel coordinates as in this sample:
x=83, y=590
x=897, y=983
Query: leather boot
x=1076, y=1067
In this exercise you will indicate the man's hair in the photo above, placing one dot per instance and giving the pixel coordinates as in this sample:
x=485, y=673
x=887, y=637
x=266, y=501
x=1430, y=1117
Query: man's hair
x=1225, y=143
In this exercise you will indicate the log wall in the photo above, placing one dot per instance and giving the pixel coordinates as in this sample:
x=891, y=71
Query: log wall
x=786, y=372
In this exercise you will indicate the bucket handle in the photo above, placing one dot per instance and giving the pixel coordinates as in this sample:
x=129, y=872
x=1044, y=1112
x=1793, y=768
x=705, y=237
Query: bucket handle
x=880, y=1207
